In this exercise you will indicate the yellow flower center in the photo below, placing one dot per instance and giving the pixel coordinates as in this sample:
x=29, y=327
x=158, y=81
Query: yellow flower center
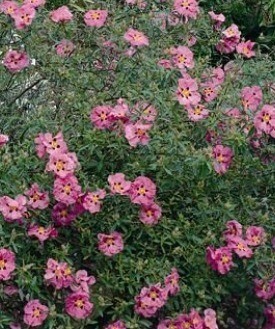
x=225, y=259
x=79, y=303
x=266, y=118
x=185, y=93
x=67, y=271
x=220, y=158
x=2, y=264
x=198, y=110
x=185, y=4
x=142, y=191
x=95, y=15
x=153, y=295
x=67, y=189
x=59, y=165
x=181, y=59
x=41, y=230
x=37, y=313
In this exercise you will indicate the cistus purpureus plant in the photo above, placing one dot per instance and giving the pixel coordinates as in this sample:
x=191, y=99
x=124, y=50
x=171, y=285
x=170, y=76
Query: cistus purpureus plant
x=136, y=167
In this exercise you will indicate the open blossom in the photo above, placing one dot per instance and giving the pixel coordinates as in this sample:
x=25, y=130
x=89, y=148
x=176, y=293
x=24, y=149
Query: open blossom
x=191, y=320
x=172, y=282
x=120, y=111
x=150, y=214
x=62, y=164
x=42, y=233
x=62, y=214
x=197, y=113
x=251, y=97
x=52, y=143
x=187, y=8
x=233, y=229
x=67, y=189
x=13, y=209
x=245, y=49
x=222, y=158
x=240, y=247
x=110, y=244
x=7, y=264
x=116, y=325
x=91, y=201
x=16, y=61
x=64, y=48
x=219, y=259
x=210, y=320
x=230, y=40
x=95, y=18
x=57, y=274
x=182, y=57
x=78, y=305
x=146, y=113
x=61, y=15
x=118, y=184
x=264, y=120
x=136, y=38
x=35, y=313
x=3, y=140
x=264, y=289
x=168, y=324
x=35, y=3
x=82, y=281
x=187, y=92
x=99, y=116
x=218, y=19
x=137, y=133
x=8, y=7
x=143, y=191
x=210, y=91
x=37, y=198
x=255, y=235
x=23, y=16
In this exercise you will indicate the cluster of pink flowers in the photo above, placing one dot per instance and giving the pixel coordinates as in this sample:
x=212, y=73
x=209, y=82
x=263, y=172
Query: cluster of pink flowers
x=221, y=259
x=135, y=123
x=152, y=298
x=193, y=320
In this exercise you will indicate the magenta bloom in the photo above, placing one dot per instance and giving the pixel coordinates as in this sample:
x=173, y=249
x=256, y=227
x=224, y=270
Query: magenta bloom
x=35, y=3
x=264, y=290
x=230, y=40
x=78, y=306
x=187, y=8
x=95, y=18
x=37, y=198
x=42, y=233
x=3, y=140
x=146, y=113
x=13, y=209
x=172, y=282
x=8, y=7
x=143, y=191
x=255, y=235
x=222, y=158
x=91, y=201
x=218, y=19
x=136, y=38
x=51, y=144
x=187, y=92
x=232, y=31
x=119, y=111
x=240, y=247
x=220, y=259
x=182, y=57
x=116, y=325
x=197, y=113
x=245, y=49
x=35, y=313
x=251, y=97
x=64, y=48
x=59, y=275
x=66, y=190
x=23, y=16
x=61, y=15
x=264, y=120
x=270, y=316
x=118, y=184
x=210, y=91
x=233, y=229
x=82, y=282
x=62, y=214
x=7, y=264
x=191, y=320
x=62, y=164
x=137, y=133
x=16, y=61
x=210, y=319
x=168, y=324
x=110, y=244
x=150, y=214
x=99, y=116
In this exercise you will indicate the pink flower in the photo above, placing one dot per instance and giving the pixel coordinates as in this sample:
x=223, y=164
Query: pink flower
x=251, y=97
x=210, y=91
x=168, y=324
x=13, y=209
x=110, y=244
x=35, y=3
x=136, y=38
x=119, y=112
x=10, y=290
x=232, y=32
x=187, y=92
x=7, y=264
x=222, y=158
x=37, y=198
x=165, y=63
x=197, y=113
x=95, y=18
x=64, y=48
x=91, y=201
x=220, y=259
x=62, y=164
x=255, y=235
x=230, y=40
x=23, y=16
x=218, y=19
x=16, y=61
x=245, y=49
x=264, y=290
x=146, y=113
x=62, y=215
x=66, y=190
x=8, y=7
x=78, y=306
x=234, y=113
x=234, y=229
x=192, y=320
x=270, y=316
x=116, y=325
x=118, y=184
x=191, y=41
x=35, y=313
x=52, y=143
x=240, y=247
x=42, y=233
x=99, y=116
x=187, y=8
x=137, y=133
x=3, y=140
x=264, y=120
x=82, y=281
x=172, y=282
x=143, y=191
x=150, y=214
x=59, y=275
x=61, y=15
x=210, y=320
x=182, y=57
